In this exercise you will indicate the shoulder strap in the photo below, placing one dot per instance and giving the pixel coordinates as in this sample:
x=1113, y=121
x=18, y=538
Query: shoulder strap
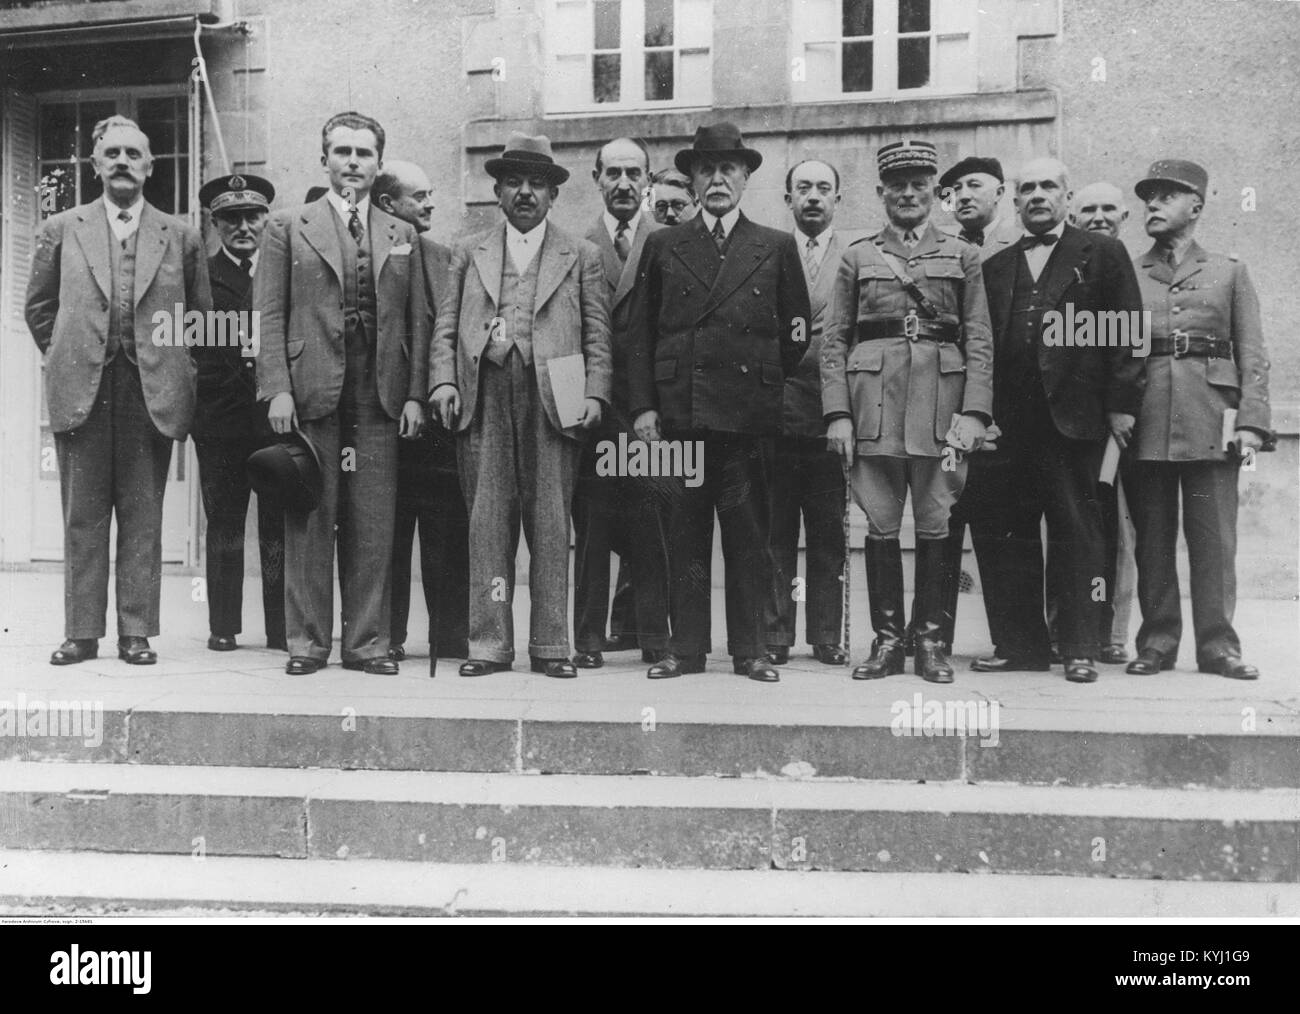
x=910, y=287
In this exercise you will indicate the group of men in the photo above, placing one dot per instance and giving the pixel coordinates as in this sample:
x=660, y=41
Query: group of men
x=480, y=391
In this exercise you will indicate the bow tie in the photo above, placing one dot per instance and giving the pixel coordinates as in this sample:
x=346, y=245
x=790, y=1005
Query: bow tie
x=1046, y=239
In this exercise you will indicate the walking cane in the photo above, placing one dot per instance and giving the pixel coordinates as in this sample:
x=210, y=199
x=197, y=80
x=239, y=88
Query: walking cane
x=848, y=559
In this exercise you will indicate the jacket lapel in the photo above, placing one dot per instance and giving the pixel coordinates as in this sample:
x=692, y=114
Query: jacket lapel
x=319, y=231
x=1065, y=263
x=608, y=255
x=1193, y=261
x=92, y=234
x=745, y=252
x=150, y=244
x=555, y=258
x=627, y=277
x=695, y=249
x=383, y=237
x=489, y=258
x=824, y=285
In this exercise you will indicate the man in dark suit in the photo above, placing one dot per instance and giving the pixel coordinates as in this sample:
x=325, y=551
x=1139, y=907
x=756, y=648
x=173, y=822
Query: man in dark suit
x=345, y=344
x=1207, y=380
x=1055, y=401
x=805, y=475
x=719, y=320
x=428, y=483
x=229, y=424
x=119, y=390
x=623, y=513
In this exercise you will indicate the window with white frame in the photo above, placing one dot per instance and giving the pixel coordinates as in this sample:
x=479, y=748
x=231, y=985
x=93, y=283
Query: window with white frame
x=628, y=54
x=882, y=48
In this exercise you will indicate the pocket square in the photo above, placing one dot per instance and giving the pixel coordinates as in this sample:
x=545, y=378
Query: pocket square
x=400, y=250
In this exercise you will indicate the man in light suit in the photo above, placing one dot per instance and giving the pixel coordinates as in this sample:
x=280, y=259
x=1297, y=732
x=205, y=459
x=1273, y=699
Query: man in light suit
x=520, y=296
x=345, y=339
x=428, y=483
x=805, y=475
x=719, y=320
x=119, y=391
x=623, y=513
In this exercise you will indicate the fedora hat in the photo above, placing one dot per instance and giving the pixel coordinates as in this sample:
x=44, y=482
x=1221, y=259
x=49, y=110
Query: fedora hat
x=523, y=153
x=288, y=472
x=717, y=139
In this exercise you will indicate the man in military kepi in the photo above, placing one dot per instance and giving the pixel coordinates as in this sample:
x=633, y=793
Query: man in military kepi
x=229, y=424
x=907, y=391
x=1205, y=411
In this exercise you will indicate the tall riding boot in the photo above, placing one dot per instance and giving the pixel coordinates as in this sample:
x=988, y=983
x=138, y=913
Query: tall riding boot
x=932, y=581
x=885, y=591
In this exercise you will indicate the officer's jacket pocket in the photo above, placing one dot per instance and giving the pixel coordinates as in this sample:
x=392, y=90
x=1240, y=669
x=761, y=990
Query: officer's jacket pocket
x=866, y=356
x=869, y=271
x=1222, y=373
x=951, y=359
x=665, y=369
x=294, y=347
x=944, y=268
x=866, y=388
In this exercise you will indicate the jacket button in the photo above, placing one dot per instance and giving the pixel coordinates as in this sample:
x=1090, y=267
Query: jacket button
x=1174, y=289
x=699, y=367
x=1176, y=309
x=757, y=293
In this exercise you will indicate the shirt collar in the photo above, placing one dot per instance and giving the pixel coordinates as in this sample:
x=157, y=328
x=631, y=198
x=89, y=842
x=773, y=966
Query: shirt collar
x=900, y=233
x=345, y=210
x=612, y=223
x=112, y=210
x=823, y=238
x=1058, y=231
x=728, y=220
x=235, y=260
x=537, y=233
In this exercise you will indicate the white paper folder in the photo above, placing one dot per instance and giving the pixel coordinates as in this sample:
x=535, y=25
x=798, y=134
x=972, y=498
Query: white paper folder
x=1109, y=462
x=569, y=386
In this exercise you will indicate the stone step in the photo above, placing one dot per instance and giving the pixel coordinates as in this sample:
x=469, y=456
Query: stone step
x=688, y=738
x=90, y=883
x=661, y=822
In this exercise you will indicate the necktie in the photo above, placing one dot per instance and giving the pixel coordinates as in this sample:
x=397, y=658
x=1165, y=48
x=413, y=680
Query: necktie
x=124, y=216
x=622, y=246
x=1046, y=239
x=355, y=227
x=810, y=264
x=975, y=236
x=246, y=265
x=910, y=238
x=719, y=236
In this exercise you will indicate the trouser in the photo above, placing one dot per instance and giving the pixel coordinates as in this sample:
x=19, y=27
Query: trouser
x=114, y=463
x=880, y=487
x=358, y=490
x=627, y=515
x=1209, y=495
x=805, y=478
x=735, y=486
x=622, y=613
x=429, y=497
x=516, y=468
x=225, y=488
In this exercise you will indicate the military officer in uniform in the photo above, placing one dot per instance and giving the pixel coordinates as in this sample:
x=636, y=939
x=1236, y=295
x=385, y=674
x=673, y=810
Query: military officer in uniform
x=1207, y=379
x=229, y=424
x=907, y=391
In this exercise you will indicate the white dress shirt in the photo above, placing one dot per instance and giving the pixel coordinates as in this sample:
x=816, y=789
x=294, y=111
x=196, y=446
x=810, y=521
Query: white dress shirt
x=728, y=221
x=612, y=224
x=818, y=250
x=234, y=259
x=345, y=209
x=123, y=230
x=1037, y=255
x=523, y=246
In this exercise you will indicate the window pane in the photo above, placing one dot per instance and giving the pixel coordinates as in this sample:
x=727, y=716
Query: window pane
x=58, y=187
x=608, y=14
x=695, y=72
x=91, y=187
x=658, y=23
x=857, y=18
x=89, y=114
x=913, y=15
x=914, y=62
x=160, y=188
x=855, y=68
x=157, y=118
x=59, y=130
x=659, y=76
x=605, y=70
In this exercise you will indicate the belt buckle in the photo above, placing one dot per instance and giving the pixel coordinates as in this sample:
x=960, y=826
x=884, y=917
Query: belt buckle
x=1181, y=350
x=912, y=326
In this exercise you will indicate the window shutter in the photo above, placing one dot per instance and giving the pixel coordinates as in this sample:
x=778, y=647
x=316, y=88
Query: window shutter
x=20, y=209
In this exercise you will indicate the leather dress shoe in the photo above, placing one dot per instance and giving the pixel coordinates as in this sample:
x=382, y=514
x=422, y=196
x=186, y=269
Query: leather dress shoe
x=931, y=663
x=1080, y=670
x=622, y=642
x=887, y=659
x=219, y=642
x=302, y=665
x=652, y=655
x=589, y=660
x=136, y=651
x=397, y=653
x=382, y=666
x=75, y=650
x=481, y=667
x=556, y=668
x=672, y=666
x=1230, y=666
x=996, y=663
x=760, y=670
x=778, y=654
x=1148, y=663
x=1113, y=654
x=830, y=654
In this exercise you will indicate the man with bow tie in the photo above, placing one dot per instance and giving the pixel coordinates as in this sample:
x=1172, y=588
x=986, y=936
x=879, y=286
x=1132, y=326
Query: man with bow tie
x=344, y=359
x=1055, y=404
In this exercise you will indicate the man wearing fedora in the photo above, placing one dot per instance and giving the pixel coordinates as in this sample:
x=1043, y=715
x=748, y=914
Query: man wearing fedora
x=1205, y=411
x=345, y=339
x=719, y=319
x=526, y=302
x=117, y=400
x=907, y=389
x=230, y=425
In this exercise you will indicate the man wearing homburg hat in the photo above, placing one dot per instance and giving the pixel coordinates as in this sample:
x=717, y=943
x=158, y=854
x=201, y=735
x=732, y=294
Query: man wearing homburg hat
x=1207, y=380
x=719, y=319
x=522, y=298
x=229, y=424
x=907, y=392
x=345, y=340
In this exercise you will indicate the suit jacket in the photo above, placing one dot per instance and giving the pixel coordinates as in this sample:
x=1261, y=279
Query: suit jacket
x=1182, y=411
x=620, y=278
x=1081, y=384
x=67, y=312
x=712, y=343
x=298, y=289
x=1001, y=233
x=570, y=315
x=437, y=261
x=227, y=385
